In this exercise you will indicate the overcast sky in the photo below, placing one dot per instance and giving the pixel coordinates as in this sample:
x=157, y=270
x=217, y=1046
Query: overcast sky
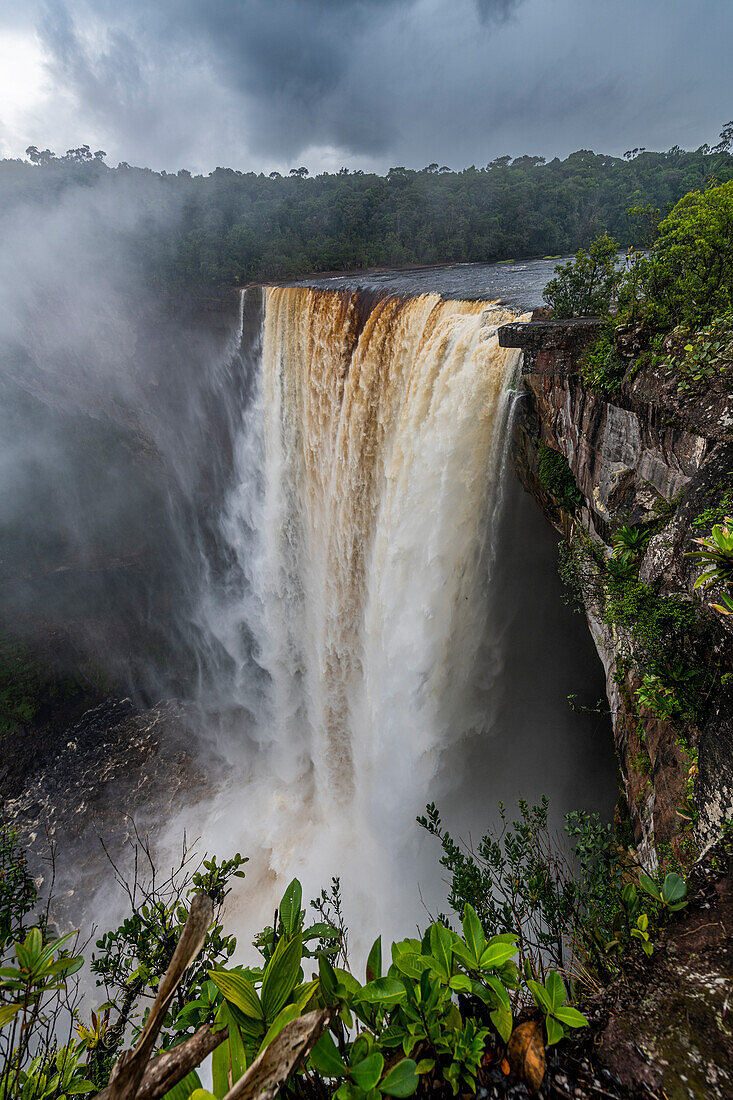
x=269, y=84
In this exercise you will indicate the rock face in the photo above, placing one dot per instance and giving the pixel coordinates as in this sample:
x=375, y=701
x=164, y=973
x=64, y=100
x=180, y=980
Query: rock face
x=652, y=457
x=666, y=1028
x=117, y=771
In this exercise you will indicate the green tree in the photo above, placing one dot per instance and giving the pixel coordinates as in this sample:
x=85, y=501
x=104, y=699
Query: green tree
x=585, y=286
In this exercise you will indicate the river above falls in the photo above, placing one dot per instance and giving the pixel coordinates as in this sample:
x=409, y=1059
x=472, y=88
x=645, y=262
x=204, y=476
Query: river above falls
x=517, y=284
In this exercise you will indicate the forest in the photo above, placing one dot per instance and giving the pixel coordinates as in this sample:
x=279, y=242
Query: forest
x=231, y=227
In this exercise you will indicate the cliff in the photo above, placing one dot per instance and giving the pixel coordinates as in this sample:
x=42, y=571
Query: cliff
x=659, y=460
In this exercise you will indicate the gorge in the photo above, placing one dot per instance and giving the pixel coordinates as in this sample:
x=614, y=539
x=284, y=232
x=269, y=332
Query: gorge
x=357, y=581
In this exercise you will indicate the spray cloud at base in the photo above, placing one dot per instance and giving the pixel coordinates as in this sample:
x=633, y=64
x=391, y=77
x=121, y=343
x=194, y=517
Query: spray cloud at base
x=291, y=520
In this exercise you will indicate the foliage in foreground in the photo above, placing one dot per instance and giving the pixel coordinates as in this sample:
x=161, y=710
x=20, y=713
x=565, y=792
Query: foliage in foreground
x=426, y=1017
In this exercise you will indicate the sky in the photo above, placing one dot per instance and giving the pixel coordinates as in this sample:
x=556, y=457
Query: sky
x=261, y=85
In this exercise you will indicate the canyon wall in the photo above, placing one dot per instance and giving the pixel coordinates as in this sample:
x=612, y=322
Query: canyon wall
x=645, y=455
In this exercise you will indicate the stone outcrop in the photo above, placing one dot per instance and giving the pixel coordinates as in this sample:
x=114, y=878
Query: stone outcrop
x=646, y=455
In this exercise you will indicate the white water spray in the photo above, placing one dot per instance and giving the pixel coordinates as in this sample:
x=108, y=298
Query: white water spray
x=360, y=532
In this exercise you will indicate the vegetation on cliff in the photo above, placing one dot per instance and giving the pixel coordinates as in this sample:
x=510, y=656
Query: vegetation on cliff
x=671, y=306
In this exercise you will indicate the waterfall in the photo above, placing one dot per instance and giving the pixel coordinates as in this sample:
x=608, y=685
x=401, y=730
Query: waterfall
x=359, y=530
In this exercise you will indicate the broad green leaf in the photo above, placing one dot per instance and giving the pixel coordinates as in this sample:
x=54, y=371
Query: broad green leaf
x=290, y=910
x=413, y=964
x=281, y=974
x=34, y=943
x=674, y=888
x=554, y=1030
x=441, y=948
x=303, y=993
x=473, y=933
x=401, y=946
x=499, y=989
x=649, y=885
x=326, y=1058
x=502, y=1020
x=496, y=954
x=320, y=931
x=7, y=1012
x=367, y=1072
x=460, y=983
x=76, y=1088
x=348, y=981
x=221, y=1069
x=465, y=956
x=383, y=991
x=374, y=961
x=425, y=1065
x=555, y=990
x=401, y=1080
x=238, y=991
x=284, y=1017
x=328, y=979
x=570, y=1016
x=202, y=1094
x=541, y=998
x=184, y=1088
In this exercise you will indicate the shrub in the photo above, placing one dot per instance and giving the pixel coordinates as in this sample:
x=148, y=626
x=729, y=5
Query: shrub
x=586, y=285
x=689, y=273
x=716, y=555
x=553, y=471
x=601, y=366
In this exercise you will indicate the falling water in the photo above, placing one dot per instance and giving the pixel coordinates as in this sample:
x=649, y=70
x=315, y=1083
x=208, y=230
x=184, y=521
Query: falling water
x=360, y=545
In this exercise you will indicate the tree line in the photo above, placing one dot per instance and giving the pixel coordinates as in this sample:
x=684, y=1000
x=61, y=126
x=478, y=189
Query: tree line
x=230, y=227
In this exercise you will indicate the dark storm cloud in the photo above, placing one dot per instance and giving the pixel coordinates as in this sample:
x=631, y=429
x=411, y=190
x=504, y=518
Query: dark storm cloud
x=265, y=83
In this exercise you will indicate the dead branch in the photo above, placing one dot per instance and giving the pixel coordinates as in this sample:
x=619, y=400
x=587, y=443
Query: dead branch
x=269, y=1072
x=171, y=1066
x=129, y=1070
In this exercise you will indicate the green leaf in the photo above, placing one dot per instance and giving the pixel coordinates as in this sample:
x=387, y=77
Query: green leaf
x=674, y=888
x=284, y=1017
x=500, y=990
x=554, y=1030
x=555, y=990
x=78, y=1087
x=368, y=1071
x=383, y=991
x=326, y=1058
x=502, y=1020
x=473, y=933
x=570, y=1016
x=348, y=981
x=401, y=1080
x=202, y=1094
x=303, y=993
x=7, y=1012
x=190, y=1083
x=539, y=995
x=281, y=974
x=328, y=979
x=220, y=1069
x=649, y=886
x=238, y=991
x=290, y=909
x=401, y=946
x=496, y=954
x=460, y=983
x=425, y=1065
x=413, y=964
x=441, y=947
x=374, y=961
